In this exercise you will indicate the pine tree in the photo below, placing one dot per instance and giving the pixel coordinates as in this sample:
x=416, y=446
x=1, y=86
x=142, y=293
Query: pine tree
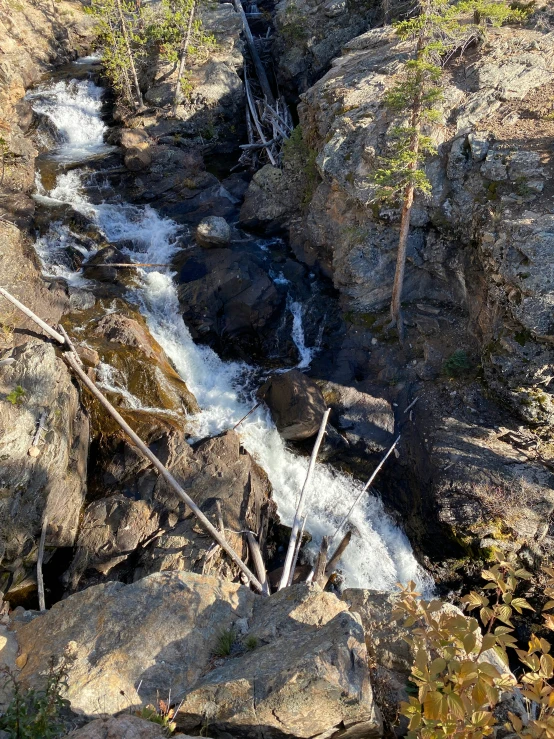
x=117, y=22
x=438, y=28
x=180, y=36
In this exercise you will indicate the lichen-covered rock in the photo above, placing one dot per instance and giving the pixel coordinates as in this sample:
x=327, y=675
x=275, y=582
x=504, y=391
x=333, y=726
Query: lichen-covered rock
x=308, y=675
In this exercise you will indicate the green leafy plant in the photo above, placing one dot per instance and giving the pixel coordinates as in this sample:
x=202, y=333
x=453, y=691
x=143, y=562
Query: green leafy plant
x=36, y=714
x=458, y=686
x=16, y=396
x=162, y=715
x=457, y=364
x=225, y=643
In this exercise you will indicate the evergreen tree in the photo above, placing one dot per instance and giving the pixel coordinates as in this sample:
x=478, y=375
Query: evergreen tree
x=438, y=28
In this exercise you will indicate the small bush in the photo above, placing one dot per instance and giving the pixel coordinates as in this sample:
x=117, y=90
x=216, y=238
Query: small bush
x=162, y=716
x=36, y=714
x=457, y=364
x=251, y=642
x=225, y=643
x=16, y=396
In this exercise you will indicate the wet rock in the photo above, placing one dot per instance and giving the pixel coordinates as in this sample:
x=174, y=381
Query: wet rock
x=52, y=484
x=107, y=255
x=229, y=301
x=119, y=727
x=213, y=231
x=136, y=145
x=296, y=404
x=81, y=299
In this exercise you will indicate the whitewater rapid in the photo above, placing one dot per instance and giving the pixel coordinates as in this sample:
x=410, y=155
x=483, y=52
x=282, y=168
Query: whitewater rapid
x=379, y=554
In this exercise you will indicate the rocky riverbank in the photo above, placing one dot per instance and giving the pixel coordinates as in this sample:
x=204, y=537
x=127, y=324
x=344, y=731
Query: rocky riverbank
x=248, y=275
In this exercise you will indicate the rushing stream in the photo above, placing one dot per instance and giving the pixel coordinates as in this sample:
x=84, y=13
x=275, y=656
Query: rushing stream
x=380, y=554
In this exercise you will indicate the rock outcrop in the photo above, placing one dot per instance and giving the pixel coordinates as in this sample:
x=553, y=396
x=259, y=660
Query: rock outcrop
x=34, y=386
x=119, y=727
x=304, y=674
x=296, y=404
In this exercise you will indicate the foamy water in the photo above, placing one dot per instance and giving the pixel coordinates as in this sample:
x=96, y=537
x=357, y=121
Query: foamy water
x=379, y=554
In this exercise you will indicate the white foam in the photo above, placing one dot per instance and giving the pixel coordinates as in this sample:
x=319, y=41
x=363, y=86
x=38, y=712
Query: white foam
x=380, y=554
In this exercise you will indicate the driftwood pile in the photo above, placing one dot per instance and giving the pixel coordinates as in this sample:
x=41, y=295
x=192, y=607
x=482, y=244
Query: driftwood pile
x=268, y=119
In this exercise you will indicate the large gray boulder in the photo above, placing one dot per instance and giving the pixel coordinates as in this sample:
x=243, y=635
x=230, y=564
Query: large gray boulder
x=296, y=404
x=308, y=675
x=51, y=484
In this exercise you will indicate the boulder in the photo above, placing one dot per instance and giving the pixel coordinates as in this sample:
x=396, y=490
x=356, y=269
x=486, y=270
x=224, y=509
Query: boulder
x=308, y=675
x=119, y=727
x=213, y=231
x=296, y=404
x=229, y=301
x=267, y=202
x=136, y=144
x=366, y=421
x=51, y=484
x=125, y=538
x=107, y=255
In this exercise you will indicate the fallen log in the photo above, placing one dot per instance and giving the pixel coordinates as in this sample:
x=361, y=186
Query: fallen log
x=40, y=579
x=258, y=561
x=366, y=487
x=300, y=507
x=259, y=67
x=321, y=563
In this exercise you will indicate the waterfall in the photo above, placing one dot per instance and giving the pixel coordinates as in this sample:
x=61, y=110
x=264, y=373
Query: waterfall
x=380, y=554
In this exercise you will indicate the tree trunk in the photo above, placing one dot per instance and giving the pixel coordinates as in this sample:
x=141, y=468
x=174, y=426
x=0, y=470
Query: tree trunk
x=125, y=33
x=260, y=69
x=395, y=306
x=177, y=95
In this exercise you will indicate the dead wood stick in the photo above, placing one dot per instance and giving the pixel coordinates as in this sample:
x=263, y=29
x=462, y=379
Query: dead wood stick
x=249, y=147
x=259, y=67
x=40, y=579
x=29, y=313
x=297, y=552
x=258, y=561
x=414, y=401
x=321, y=562
x=69, y=343
x=40, y=426
x=220, y=518
x=301, y=501
x=366, y=487
x=131, y=266
x=245, y=417
x=255, y=118
x=333, y=561
x=168, y=477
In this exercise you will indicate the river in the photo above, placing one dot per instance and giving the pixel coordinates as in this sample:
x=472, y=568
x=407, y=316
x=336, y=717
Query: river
x=380, y=554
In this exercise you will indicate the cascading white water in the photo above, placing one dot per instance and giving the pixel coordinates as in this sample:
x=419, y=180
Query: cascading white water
x=380, y=554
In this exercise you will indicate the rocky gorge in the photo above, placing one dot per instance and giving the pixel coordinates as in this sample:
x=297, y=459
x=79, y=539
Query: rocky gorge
x=263, y=290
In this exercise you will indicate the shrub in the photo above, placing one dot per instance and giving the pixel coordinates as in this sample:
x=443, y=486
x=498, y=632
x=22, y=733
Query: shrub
x=36, y=714
x=225, y=643
x=457, y=690
x=251, y=642
x=457, y=364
